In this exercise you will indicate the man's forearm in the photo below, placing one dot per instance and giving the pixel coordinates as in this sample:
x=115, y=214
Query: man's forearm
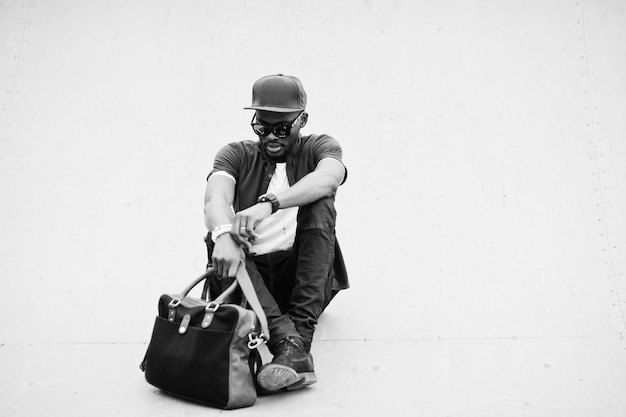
x=323, y=182
x=216, y=212
x=309, y=189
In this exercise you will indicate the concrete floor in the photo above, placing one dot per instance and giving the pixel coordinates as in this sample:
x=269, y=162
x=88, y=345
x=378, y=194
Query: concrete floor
x=483, y=221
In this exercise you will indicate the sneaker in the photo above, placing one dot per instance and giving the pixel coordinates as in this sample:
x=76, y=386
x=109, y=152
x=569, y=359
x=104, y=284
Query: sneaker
x=292, y=367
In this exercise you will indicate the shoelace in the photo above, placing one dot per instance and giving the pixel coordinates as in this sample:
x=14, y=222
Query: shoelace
x=286, y=345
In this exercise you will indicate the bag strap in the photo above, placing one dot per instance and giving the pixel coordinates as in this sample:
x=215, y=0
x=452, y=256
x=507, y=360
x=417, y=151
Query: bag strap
x=245, y=283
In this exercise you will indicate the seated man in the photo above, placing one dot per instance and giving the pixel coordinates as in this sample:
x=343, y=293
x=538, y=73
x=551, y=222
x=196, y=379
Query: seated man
x=275, y=198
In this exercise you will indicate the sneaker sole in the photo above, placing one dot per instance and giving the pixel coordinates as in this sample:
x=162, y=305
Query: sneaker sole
x=274, y=377
x=309, y=378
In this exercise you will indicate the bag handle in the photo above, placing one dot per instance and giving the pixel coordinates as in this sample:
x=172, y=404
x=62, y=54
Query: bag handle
x=245, y=283
x=210, y=272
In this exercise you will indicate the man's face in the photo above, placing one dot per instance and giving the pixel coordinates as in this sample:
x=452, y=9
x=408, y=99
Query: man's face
x=278, y=148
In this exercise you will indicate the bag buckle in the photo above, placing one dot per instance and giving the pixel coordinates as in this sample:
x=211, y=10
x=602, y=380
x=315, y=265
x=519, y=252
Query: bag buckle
x=171, y=315
x=254, y=340
x=209, y=310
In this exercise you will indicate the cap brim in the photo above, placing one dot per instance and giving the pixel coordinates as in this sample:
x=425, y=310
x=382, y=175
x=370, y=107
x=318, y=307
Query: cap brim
x=274, y=109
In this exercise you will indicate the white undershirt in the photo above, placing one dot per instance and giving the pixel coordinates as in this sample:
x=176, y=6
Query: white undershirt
x=278, y=231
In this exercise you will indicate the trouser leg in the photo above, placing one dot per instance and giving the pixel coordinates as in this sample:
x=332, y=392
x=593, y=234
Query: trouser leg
x=263, y=271
x=280, y=324
x=277, y=270
x=313, y=281
x=314, y=251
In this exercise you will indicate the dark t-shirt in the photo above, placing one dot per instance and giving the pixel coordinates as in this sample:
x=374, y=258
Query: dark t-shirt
x=248, y=164
x=252, y=170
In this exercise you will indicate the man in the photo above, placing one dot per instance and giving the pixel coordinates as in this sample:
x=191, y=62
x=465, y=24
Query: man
x=275, y=198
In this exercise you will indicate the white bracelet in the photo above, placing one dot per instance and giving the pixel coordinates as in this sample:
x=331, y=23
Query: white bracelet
x=220, y=230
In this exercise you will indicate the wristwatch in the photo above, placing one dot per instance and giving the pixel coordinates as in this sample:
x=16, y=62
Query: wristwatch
x=271, y=198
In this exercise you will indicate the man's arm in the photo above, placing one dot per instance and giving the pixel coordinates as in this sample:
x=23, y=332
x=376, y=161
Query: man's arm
x=322, y=182
x=219, y=197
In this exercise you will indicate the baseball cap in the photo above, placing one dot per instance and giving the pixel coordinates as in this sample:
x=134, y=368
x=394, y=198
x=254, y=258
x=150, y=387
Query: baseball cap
x=278, y=93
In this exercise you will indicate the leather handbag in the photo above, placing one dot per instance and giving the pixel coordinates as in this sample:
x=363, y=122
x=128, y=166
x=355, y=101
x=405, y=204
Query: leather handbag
x=205, y=350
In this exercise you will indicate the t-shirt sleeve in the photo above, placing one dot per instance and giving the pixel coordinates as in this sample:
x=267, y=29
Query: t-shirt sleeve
x=228, y=159
x=327, y=147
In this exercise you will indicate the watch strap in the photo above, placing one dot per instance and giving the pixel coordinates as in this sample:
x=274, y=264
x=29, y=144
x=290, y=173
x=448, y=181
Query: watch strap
x=271, y=198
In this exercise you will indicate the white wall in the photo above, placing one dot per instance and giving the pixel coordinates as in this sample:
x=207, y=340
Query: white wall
x=485, y=200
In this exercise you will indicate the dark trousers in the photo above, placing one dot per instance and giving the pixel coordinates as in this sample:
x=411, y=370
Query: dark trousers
x=294, y=287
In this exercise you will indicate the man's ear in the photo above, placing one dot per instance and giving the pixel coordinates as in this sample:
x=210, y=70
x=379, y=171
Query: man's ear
x=303, y=119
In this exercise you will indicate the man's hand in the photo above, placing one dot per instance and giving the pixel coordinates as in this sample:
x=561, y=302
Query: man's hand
x=227, y=252
x=247, y=220
x=227, y=255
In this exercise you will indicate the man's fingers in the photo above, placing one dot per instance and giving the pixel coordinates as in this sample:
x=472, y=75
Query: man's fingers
x=240, y=231
x=232, y=271
x=244, y=225
x=250, y=229
x=223, y=269
x=217, y=266
x=245, y=243
x=248, y=232
x=226, y=269
x=236, y=226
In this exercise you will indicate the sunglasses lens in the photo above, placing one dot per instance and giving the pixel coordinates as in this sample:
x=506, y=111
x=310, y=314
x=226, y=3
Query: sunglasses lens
x=281, y=131
x=259, y=129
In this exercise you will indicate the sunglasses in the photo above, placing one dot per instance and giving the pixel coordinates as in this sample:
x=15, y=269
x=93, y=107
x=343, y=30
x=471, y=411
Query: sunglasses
x=280, y=130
